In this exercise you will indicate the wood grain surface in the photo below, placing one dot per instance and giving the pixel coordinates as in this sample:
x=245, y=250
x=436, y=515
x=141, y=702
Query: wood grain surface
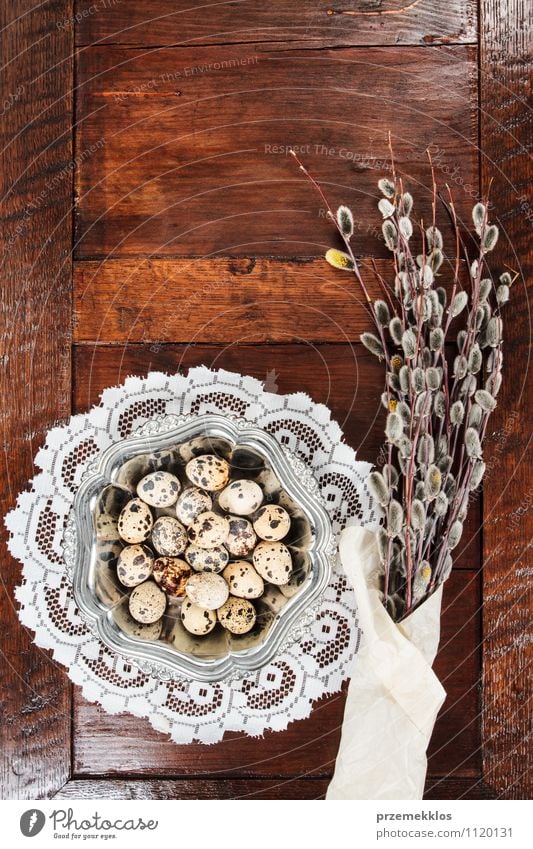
x=184, y=152
x=35, y=325
x=507, y=528
x=247, y=788
x=351, y=22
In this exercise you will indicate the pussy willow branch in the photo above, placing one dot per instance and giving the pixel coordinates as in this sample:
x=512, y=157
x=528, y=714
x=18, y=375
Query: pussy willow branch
x=436, y=441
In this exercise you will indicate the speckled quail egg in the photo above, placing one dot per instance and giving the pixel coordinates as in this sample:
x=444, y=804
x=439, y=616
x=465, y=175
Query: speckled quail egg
x=135, y=521
x=273, y=562
x=209, y=530
x=208, y=472
x=172, y=574
x=206, y=559
x=169, y=537
x=191, y=503
x=147, y=603
x=134, y=565
x=207, y=589
x=196, y=619
x=243, y=580
x=237, y=615
x=272, y=522
x=241, y=497
x=127, y=623
x=241, y=538
x=159, y=489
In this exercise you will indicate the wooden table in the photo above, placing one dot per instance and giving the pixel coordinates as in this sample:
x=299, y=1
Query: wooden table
x=152, y=219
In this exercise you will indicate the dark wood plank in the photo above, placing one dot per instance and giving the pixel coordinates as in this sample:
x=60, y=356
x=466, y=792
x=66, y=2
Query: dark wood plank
x=197, y=788
x=35, y=238
x=348, y=23
x=176, y=163
x=508, y=596
x=457, y=788
x=291, y=788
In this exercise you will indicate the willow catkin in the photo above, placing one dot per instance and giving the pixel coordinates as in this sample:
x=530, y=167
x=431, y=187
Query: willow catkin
x=396, y=330
x=372, y=344
x=490, y=238
x=393, y=427
x=395, y=518
x=478, y=470
x=485, y=400
x=458, y=304
x=441, y=504
x=383, y=544
x=475, y=358
x=432, y=482
x=403, y=377
x=390, y=234
x=409, y=344
x=455, y=534
x=404, y=411
x=418, y=514
x=345, y=221
x=387, y=187
x=436, y=339
x=457, y=413
x=434, y=238
x=378, y=488
x=472, y=443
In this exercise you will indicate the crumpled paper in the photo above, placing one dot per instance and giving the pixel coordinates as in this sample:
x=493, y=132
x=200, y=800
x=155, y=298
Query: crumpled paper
x=393, y=696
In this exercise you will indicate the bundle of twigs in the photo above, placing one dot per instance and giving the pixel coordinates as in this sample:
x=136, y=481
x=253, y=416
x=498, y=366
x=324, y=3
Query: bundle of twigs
x=438, y=395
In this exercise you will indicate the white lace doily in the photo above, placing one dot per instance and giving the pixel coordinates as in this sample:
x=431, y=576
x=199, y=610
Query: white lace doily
x=280, y=692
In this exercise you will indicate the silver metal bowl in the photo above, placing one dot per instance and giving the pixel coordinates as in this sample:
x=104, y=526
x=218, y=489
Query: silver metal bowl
x=91, y=546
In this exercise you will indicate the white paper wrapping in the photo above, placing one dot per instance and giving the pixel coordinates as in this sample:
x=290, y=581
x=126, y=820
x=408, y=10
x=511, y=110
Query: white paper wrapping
x=393, y=696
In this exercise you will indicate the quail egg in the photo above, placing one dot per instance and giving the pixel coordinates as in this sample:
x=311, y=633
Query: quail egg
x=127, y=623
x=147, y=603
x=206, y=559
x=134, y=565
x=272, y=522
x=237, y=615
x=243, y=580
x=135, y=521
x=197, y=620
x=273, y=562
x=209, y=530
x=191, y=503
x=169, y=537
x=106, y=527
x=241, y=497
x=207, y=590
x=172, y=574
x=241, y=538
x=159, y=489
x=208, y=472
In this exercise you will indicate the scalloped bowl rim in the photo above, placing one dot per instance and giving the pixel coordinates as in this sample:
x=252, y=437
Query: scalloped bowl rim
x=288, y=625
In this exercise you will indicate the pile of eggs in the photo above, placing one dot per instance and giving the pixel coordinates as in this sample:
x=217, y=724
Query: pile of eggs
x=217, y=553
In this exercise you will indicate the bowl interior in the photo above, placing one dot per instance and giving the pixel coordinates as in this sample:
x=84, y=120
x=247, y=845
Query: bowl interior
x=113, y=597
